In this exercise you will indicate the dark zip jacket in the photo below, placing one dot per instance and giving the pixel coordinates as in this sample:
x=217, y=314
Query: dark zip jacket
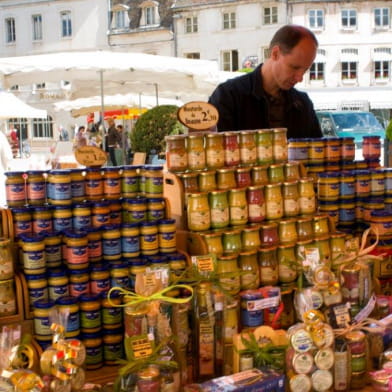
x=242, y=105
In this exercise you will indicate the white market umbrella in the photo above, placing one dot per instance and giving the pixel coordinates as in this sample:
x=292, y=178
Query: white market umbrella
x=83, y=106
x=105, y=72
x=13, y=107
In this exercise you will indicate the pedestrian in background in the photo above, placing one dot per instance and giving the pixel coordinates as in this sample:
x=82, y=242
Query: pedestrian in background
x=113, y=140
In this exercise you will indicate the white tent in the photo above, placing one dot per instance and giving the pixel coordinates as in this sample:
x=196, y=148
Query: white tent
x=105, y=72
x=13, y=107
x=83, y=106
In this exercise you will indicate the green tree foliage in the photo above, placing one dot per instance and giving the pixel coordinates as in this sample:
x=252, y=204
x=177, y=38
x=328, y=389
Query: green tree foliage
x=152, y=127
x=388, y=131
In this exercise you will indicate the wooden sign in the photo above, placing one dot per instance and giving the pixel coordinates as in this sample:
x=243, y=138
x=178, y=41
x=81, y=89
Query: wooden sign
x=90, y=156
x=198, y=115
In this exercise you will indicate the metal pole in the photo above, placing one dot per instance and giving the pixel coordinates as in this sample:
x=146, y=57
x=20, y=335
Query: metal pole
x=156, y=93
x=102, y=108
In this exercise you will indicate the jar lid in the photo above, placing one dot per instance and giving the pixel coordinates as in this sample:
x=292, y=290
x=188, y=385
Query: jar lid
x=176, y=256
x=93, y=169
x=95, y=335
x=113, y=226
x=84, y=204
x=27, y=237
x=132, y=167
x=153, y=167
x=66, y=300
x=362, y=172
x=89, y=297
x=141, y=200
x=62, y=172
x=135, y=262
x=347, y=139
x=294, y=140
x=148, y=224
x=118, y=265
x=112, y=169
x=166, y=221
x=157, y=259
x=56, y=272
x=75, y=233
x=79, y=271
x=329, y=175
x=160, y=199
x=129, y=225
x=99, y=267
x=381, y=214
x=20, y=210
x=14, y=173
x=42, y=208
x=102, y=203
x=35, y=172
x=35, y=277
x=43, y=304
x=58, y=208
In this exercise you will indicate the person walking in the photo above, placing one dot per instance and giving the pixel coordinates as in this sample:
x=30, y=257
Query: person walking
x=113, y=140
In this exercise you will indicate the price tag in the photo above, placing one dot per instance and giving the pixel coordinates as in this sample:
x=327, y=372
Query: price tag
x=90, y=156
x=203, y=263
x=198, y=115
x=141, y=346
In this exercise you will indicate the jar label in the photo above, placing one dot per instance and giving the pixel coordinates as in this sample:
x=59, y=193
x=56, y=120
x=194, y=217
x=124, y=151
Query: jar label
x=61, y=224
x=40, y=225
x=149, y=241
x=111, y=186
x=76, y=289
x=42, y=326
x=167, y=240
x=215, y=158
x=77, y=188
x=291, y=207
x=238, y=213
x=199, y=220
x=274, y=209
x=94, y=187
x=94, y=249
x=280, y=152
x=219, y=215
x=77, y=254
x=248, y=155
x=22, y=227
x=232, y=157
x=34, y=259
x=15, y=192
x=58, y=291
x=264, y=153
x=268, y=275
x=111, y=247
x=90, y=318
x=80, y=222
x=130, y=244
x=36, y=191
x=37, y=294
x=307, y=205
x=99, y=285
x=177, y=160
x=256, y=211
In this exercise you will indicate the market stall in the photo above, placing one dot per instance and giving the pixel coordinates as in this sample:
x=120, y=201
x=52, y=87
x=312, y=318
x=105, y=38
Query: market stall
x=248, y=262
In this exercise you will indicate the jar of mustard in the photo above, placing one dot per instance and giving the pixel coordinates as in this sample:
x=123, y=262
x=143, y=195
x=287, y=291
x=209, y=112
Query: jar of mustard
x=78, y=192
x=15, y=189
x=189, y=181
x=316, y=150
x=269, y=235
x=59, y=187
x=259, y=175
x=287, y=231
x=79, y=282
x=81, y=215
x=23, y=220
x=307, y=197
x=76, y=248
x=36, y=187
x=225, y=178
x=232, y=148
x=268, y=265
x=42, y=219
x=94, y=184
x=213, y=241
x=176, y=153
x=6, y=259
x=198, y=211
x=111, y=183
x=94, y=244
x=153, y=175
x=99, y=278
x=264, y=143
x=290, y=198
x=215, y=151
x=243, y=177
x=228, y=273
x=196, y=151
x=33, y=246
x=207, y=181
x=279, y=142
x=137, y=210
x=100, y=213
x=347, y=148
x=130, y=241
x=231, y=240
x=111, y=242
x=57, y=283
x=167, y=235
x=238, y=207
x=276, y=173
x=70, y=305
x=248, y=264
x=328, y=186
x=248, y=152
x=287, y=263
x=130, y=180
x=250, y=236
x=273, y=201
x=149, y=244
x=305, y=228
x=292, y=171
x=90, y=312
x=62, y=218
x=219, y=209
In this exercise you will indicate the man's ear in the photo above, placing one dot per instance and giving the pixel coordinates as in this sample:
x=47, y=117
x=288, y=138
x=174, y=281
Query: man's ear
x=275, y=52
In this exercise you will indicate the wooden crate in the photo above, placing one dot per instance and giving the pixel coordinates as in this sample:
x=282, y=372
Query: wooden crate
x=173, y=191
x=28, y=313
x=19, y=316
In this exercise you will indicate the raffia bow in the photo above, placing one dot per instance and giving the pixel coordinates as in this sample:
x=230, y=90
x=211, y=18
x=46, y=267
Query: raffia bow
x=365, y=325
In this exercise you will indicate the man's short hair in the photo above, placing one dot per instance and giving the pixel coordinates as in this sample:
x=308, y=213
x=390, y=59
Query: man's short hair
x=288, y=36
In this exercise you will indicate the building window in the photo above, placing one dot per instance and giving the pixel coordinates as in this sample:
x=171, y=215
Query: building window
x=66, y=24
x=230, y=60
x=10, y=34
x=229, y=21
x=316, y=71
x=349, y=19
x=381, y=17
x=349, y=70
x=37, y=27
x=193, y=55
x=150, y=14
x=43, y=128
x=381, y=70
x=316, y=19
x=119, y=18
x=270, y=15
x=191, y=25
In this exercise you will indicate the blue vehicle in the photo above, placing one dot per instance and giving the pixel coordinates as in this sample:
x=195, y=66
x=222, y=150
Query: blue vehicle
x=347, y=123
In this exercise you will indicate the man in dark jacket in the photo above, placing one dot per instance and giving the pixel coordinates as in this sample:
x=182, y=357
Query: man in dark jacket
x=266, y=97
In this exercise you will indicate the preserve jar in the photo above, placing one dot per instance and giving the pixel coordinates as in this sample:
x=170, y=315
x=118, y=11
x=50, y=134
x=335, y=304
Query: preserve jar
x=15, y=189
x=346, y=185
x=226, y=179
x=307, y=197
x=231, y=240
x=238, y=207
x=93, y=184
x=264, y=146
x=316, y=150
x=347, y=149
x=243, y=177
x=111, y=183
x=248, y=264
x=268, y=266
x=36, y=187
x=207, y=181
x=280, y=145
x=290, y=198
x=198, y=211
x=232, y=149
x=259, y=175
x=77, y=185
x=176, y=153
x=328, y=186
x=287, y=263
x=276, y=173
x=292, y=171
x=215, y=152
x=287, y=231
x=196, y=151
x=248, y=153
x=371, y=148
x=250, y=237
x=228, y=273
x=189, y=181
x=219, y=209
x=298, y=149
x=332, y=149
x=269, y=235
x=130, y=180
x=213, y=241
x=273, y=201
x=256, y=204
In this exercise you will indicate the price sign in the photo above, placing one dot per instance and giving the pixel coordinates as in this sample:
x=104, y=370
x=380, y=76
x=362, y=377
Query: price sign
x=141, y=346
x=198, y=115
x=90, y=156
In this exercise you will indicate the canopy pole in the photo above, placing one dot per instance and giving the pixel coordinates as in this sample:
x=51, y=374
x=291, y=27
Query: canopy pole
x=102, y=109
x=156, y=93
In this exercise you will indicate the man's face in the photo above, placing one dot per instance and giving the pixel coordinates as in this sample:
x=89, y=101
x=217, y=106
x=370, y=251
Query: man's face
x=288, y=69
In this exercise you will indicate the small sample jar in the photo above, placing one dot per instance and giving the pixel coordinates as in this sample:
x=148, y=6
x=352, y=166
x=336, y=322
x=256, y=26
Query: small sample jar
x=207, y=181
x=78, y=192
x=232, y=148
x=36, y=187
x=111, y=183
x=15, y=189
x=226, y=179
x=215, y=151
x=137, y=209
x=332, y=149
x=111, y=242
x=130, y=181
x=99, y=279
x=196, y=151
x=176, y=153
x=219, y=209
x=347, y=149
x=328, y=186
x=57, y=283
x=156, y=209
x=198, y=211
x=264, y=143
x=59, y=187
x=81, y=215
x=248, y=151
x=238, y=207
x=149, y=244
x=94, y=184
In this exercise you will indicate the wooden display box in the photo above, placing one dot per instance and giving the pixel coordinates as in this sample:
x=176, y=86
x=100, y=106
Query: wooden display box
x=28, y=313
x=173, y=191
x=19, y=316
